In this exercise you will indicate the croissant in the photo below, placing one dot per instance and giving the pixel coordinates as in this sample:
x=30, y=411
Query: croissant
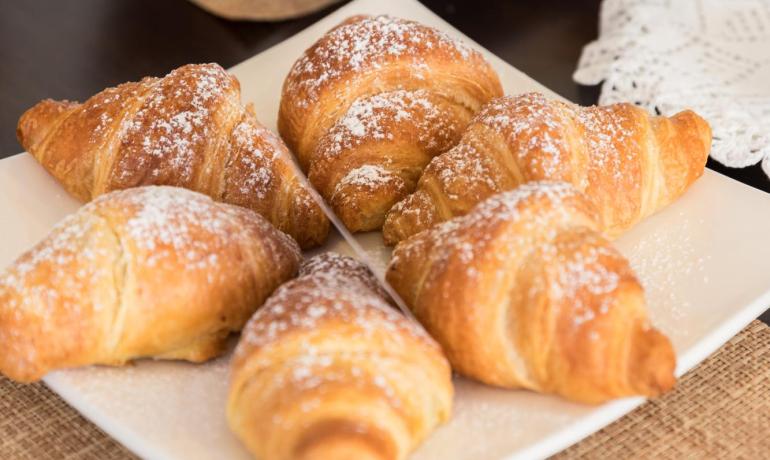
x=327, y=369
x=187, y=129
x=628, y=163
x=523, y=292
x=153, y=271
x=371, y=102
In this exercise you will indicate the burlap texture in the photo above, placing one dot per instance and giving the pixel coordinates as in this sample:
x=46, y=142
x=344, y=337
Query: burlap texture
x=721, y=409
x=37, y=424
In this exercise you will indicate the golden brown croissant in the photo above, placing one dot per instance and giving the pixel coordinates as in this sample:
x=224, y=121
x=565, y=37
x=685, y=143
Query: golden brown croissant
x=523, y=292
x=628, y=163
x=369, y=104
x=327, y=369
x=152, y=271
x=186, y=129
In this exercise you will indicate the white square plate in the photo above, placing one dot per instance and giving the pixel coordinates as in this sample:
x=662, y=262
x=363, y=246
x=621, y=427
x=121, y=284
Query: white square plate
x=703, y=261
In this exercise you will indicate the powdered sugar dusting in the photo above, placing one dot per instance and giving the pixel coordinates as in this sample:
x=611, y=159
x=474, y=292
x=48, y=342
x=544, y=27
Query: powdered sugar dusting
x=584, y=270
x=109, y=104
x=533, y=129
x=466, y=237
x=189, y=129
x=374, y=118
x=537, y=244
x=65, y=247
x=259, y=174
x=332, y=286
x=257, y=162
x=366, y=176
x=163, y=224
x=337, y=295
x=594, y=148
x=396, y=133
x=170, y=222
x=368, y=43
x=548, y=219
x=465, y=172
x=175, y=123
x=663, y=272
x=471, y=171
x=75, y=277
x=609, y=138
x=581, y=265
x=536, y=130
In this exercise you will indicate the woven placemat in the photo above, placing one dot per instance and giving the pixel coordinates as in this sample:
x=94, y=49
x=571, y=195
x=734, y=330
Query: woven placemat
x=720, y=409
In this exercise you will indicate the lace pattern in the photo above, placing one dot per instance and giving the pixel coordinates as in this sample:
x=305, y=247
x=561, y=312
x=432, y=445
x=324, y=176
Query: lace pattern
x=712, y=56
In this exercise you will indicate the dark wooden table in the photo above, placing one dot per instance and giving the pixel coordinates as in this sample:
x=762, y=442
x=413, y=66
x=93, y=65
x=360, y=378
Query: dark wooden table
x=71, y=50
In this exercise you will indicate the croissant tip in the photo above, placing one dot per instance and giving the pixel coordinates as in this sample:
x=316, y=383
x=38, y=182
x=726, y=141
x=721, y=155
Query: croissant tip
x=388, y=239
x=14, y=366
x=34, y=123
x=700, y=124
x=389, y=229
x=341, y=440
x=657, y=362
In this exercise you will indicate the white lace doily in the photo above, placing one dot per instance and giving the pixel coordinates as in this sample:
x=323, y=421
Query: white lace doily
x=712, y=56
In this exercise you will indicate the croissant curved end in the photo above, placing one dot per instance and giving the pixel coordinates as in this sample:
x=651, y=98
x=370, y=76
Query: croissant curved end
x=17, y=359
x=343, y=440
x=309, y=225
x=686, y=120
x=655, y=361
x=408, y=217
x=35, y=123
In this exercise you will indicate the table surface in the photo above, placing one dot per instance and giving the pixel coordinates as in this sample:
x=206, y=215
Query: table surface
x=71, y=50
